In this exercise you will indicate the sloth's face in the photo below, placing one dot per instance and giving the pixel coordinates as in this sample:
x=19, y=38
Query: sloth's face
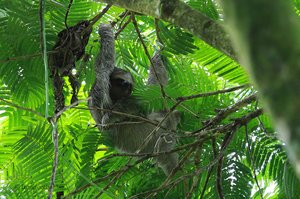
x=121, y=85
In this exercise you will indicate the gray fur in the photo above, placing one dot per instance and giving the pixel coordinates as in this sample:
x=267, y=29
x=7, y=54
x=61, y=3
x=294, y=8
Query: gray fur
x=160, y=70
x=104, y=66
x=128, y=134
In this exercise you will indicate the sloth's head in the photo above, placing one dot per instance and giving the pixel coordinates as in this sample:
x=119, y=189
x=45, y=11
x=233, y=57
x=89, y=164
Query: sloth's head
x=121, y=84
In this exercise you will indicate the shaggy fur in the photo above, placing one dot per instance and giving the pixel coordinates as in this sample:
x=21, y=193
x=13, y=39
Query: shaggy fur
x=128, y=134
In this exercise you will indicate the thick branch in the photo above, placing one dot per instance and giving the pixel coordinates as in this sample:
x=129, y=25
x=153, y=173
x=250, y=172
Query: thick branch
x=182, y=15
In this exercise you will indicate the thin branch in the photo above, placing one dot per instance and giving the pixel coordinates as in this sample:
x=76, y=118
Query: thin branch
x=219, y=178
x=58, y=114
x=148, y=138
x=233, y=126
x=182, y=99
x=212, y=93
x=196, y=178
x=227, y=139
x=195, y=184
x=120, y=17
x=139, y=118
x=67, y=14
x=96, y=18
x=146, y=157
x=184, y=107
x=147, y=53
x=236, y=124
x=23, y=108
x=223, y=113
x=122, y=28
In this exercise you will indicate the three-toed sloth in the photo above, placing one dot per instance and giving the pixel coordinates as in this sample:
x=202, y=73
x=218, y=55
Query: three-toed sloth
x=112, y=90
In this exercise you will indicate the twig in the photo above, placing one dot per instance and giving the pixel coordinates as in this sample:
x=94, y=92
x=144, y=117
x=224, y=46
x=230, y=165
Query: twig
x=59, y=113
x=121, y=16
x=96, y=18
x=67, y=14
x=184, y=107
x=119, y=124
x=122, y=28
x=128, y=165
x=182, y=99
x=194, y=184
x=147, y=53
x=139, y=118
x=151, y=155
x=223, y=113
x=212, y=93
x=148, y=138
x=238, y=122
x=233, y=126
x=23, y=108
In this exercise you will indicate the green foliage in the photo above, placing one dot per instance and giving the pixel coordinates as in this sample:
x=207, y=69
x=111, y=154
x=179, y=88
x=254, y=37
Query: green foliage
x=86, y=166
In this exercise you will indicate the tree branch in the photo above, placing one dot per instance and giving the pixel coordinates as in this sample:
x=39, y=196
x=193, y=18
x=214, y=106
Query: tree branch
x=223, y=113
x=182, y=15
x=148, y=55
x=227, y=90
